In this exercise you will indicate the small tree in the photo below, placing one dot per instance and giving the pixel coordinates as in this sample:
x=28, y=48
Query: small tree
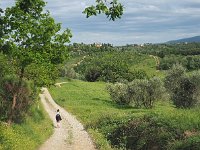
x=146, y=92
x=184, y=89
x=119, y=93
x=139, y=92
x=33, y=42
x=173, y=78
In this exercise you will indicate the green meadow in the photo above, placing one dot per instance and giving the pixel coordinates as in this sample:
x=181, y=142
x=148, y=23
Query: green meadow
x=92, y=105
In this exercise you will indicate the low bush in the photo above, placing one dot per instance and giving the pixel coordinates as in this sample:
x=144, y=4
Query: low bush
x=119, y=93
x=140, y=93
x=184, y=89
x=152, y=132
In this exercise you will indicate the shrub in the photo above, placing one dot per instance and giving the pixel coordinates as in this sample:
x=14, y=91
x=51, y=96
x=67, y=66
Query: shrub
x=10, y=109
x=92, y=74
x=148, y=132
x=184, y=89
x=184, y=94
x=146, y=92
x=173, y=77
x=119, y=93
x=139, y=92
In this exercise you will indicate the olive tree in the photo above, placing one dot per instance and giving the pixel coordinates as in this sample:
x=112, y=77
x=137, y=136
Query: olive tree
x=183, y=88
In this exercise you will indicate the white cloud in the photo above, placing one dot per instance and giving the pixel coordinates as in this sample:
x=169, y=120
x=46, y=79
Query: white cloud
x=143, y=20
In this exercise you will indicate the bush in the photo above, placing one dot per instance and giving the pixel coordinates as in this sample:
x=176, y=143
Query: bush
x=184, y=89
x=10, y=109
x=183, y=96
x=139, y=92
x=146, y=92
x=173, y=77
x=92, y=74
x=148, y=132
x=119, y=93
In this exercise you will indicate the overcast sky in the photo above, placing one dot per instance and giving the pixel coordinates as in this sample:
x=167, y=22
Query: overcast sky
x=144, y=21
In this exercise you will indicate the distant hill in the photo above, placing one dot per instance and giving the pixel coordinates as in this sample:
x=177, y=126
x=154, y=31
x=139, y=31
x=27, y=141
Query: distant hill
x=189, y=40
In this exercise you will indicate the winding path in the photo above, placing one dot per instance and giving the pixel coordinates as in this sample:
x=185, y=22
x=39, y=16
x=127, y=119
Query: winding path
x=71, y=135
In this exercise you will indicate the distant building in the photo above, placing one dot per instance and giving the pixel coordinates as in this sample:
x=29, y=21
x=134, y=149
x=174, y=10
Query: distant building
x=98, y=45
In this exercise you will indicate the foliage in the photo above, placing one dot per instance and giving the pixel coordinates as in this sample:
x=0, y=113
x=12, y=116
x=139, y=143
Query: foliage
x=112, y=10
x=172, y=79
x=138, y=92
x=146, y=92
x=30, y=134
x=10, y=97
x=152, y=132
x=31, y=36
x=170, y=54
x=46, y=74
x=112, y=66
x=34, y=45
x=189, y=62
x=169, y=60
x=91, y=104
x=92, y=74
x=119, y=93
x=6, y=67
x=184, y=89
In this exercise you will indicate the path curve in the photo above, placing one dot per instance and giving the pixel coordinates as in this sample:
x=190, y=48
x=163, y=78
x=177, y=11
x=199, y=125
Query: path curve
x=71, y=135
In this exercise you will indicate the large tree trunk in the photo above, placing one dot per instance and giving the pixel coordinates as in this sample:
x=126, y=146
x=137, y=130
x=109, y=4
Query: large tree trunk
x=11, y=114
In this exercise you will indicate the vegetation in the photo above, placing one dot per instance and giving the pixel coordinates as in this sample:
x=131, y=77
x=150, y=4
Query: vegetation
x=123, y=118
x=184, y=89
x=161, y=127
x=108, y=66
x=34, y=130
x=112, y=10
x=133, y=111
x=140, y=93
x=33, y=45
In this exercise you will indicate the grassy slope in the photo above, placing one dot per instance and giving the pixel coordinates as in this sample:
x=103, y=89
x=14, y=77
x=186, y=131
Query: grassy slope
x=148, y=64
x=28, y=135
x=90, y=103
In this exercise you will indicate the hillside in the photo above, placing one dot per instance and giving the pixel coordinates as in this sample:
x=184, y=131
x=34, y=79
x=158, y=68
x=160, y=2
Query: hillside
x=189, y=40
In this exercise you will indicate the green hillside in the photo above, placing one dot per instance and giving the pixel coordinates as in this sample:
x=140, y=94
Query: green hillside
x=91, y=104
x=30, y=134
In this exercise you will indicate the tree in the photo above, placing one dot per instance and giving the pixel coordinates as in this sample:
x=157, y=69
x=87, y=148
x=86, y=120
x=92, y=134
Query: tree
x=112, y=9
x=32, y=40
x=1, y=22
x=184, y=89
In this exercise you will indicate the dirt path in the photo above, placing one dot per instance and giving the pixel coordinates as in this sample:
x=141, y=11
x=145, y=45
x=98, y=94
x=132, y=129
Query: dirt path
x=71, y=135
x=156, y=59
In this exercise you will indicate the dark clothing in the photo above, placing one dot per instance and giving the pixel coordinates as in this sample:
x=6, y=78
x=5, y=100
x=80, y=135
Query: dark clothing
x=58, y=118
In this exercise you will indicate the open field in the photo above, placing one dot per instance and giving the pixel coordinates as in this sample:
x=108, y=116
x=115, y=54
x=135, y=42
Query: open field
x=90, y=102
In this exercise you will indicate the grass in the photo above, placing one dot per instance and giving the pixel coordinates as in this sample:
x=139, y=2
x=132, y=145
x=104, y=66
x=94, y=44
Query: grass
x=92, y=105
x=148, y=64
x=30, y=134
x=89, y=101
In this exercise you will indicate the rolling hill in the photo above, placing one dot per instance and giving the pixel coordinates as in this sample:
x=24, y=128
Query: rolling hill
x=189, y=40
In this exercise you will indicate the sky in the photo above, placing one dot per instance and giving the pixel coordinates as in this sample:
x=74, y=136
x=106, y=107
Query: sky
x=143, y=21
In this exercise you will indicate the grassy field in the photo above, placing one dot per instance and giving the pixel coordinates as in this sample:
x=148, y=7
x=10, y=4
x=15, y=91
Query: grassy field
x=29, y=135
x=148, y=64
x=91, y=104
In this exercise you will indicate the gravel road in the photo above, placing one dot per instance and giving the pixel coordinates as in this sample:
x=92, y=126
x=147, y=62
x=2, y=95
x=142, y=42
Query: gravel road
x=71, y=135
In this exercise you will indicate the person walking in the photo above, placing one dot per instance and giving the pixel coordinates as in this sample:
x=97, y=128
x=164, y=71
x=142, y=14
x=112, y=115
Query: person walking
x=58, y=118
